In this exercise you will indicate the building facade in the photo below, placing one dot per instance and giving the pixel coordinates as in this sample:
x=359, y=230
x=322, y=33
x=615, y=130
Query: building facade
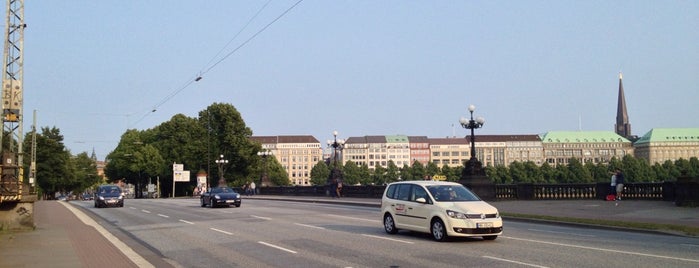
x=668, y=144
x=296, y=154
x=586, y=146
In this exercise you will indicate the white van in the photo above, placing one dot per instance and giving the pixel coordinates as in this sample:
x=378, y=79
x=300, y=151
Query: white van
x=442, y=209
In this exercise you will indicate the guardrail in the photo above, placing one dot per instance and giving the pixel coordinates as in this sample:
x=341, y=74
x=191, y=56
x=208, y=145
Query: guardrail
x=667, y=191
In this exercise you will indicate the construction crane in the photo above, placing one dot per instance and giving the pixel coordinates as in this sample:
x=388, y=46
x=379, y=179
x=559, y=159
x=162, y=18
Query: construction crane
x=12, y=173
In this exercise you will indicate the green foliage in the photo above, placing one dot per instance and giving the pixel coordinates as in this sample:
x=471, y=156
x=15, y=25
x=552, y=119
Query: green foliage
x=320, y=173
x=352, y=173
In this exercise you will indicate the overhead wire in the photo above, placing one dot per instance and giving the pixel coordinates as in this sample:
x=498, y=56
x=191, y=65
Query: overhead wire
x=199, y=76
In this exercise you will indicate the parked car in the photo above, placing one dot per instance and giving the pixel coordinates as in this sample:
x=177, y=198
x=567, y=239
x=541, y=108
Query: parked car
x=87, y=197
x=220, y=196
x=442, y=209
x=109, y=195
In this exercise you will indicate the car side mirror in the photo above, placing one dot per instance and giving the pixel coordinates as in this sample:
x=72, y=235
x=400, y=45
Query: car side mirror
x=421, y=200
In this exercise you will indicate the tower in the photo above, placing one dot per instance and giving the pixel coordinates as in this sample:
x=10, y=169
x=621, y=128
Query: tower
x=12, y=101
x=622, y=126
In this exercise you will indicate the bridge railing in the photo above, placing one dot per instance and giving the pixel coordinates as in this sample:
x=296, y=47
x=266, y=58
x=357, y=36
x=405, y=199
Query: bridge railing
x=524, y=191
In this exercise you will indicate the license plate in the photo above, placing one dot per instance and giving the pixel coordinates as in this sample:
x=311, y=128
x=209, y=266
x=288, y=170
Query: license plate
x=484, y=225
x=230, y=201
x=111, y=201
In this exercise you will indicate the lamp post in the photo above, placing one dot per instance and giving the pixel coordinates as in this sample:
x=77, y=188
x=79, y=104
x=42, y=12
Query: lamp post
x=263, y=178
x=221, y=163
x=335, y=174
x=473, y=166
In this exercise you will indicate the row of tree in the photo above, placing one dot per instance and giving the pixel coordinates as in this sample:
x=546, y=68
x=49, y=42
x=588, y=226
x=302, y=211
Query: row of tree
x=219, y=130
x=634, y=169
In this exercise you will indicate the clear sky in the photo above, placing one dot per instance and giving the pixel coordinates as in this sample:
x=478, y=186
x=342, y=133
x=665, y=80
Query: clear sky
x=96, y=68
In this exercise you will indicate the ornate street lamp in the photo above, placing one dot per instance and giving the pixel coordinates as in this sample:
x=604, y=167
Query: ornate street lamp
x=337, y=145
x=473, y=166
x=335, y=174
x=263, y=178
x=221, y=165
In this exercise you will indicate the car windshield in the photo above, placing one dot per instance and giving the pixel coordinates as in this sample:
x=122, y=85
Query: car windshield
x=218, y=190
x=451, y=193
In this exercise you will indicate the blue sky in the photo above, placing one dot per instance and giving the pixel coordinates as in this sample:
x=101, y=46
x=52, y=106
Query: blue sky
x=96, y=68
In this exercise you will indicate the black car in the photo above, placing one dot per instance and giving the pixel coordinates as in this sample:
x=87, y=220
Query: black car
x=109, y=196
x=220, y=196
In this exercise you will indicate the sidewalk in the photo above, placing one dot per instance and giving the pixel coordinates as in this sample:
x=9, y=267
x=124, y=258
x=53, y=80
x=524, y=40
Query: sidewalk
x=63, y=239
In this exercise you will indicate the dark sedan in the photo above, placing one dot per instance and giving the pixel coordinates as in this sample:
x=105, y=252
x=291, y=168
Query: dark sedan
x=109, y=196
x=220, y=196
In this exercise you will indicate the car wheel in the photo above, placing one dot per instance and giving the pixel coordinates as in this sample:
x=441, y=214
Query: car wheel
x=211, y=203
x=237, y=205
x=203, y=204
x=490, y=237
x=389, y=224
x=439, y=231
x=96, y=205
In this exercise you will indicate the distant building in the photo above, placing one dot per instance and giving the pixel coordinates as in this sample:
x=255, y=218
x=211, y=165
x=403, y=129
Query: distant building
x=663, y=144
x=587, y=146
x=296, y=154
x=452, y=152
x=419, y=149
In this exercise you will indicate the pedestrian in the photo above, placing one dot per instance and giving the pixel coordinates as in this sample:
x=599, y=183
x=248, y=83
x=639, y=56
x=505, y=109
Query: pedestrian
x=339, y=188
x=619, y=184
x=252, y=188
x=246, y=189
x=612, y=189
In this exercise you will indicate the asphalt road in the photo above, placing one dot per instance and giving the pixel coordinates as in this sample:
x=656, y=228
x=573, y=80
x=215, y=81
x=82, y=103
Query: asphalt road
x=265, y=233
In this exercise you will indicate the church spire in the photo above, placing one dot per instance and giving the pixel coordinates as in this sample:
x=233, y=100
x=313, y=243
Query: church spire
x=622, y=126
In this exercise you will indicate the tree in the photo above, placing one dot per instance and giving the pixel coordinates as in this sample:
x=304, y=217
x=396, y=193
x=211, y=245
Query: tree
x=392, y=172
x=134, y=161
x=379, y=175
x=577, y=173
x=320, y=173
x=548, y=173
x=517, y=172
x=417, y=171
x=53, y=170
x=365, y=175
x=85, y=172
x=352, y=174
x=229, y=136
x=432, y=169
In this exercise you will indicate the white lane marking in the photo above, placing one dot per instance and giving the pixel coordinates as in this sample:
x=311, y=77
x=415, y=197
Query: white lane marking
x=260, y=217
x=511, y=261
x=132, y=255
x=556, y=232
x=390, y=239
x=187, y=221
x=146, y=211
x=277, y=247
x=310, y=226
x=221, y=231
x=352, y=218
x=164, y=216
x=605, y=250
x=132, y=208
x=690, y=245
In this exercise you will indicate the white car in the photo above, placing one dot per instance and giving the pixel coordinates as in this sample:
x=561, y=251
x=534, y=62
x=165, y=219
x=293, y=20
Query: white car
x=442, y=209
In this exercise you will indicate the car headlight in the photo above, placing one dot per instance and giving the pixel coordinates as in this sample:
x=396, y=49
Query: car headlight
x=217, y=196
x=456, y=214
x=237, y=196
x=101, y=198
x=121, y=197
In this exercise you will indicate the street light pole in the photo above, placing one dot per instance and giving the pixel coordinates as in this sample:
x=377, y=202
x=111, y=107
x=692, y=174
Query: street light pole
x=335, y=174
x=263, y=178
x=221, y=162
x=473, y=166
